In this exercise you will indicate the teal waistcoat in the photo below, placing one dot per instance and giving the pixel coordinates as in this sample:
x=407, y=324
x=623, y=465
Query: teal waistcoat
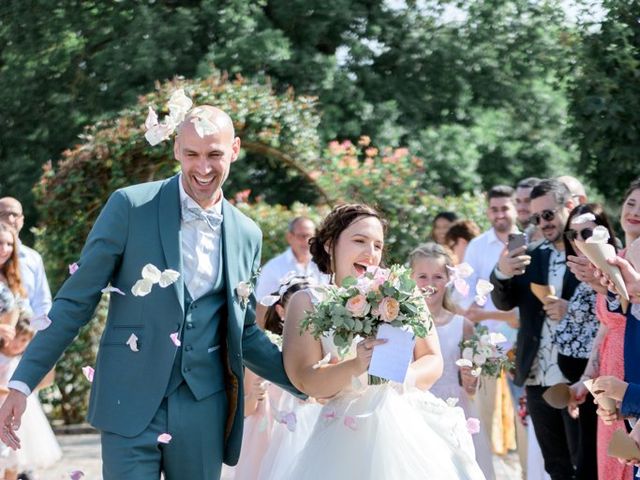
x=198, y=360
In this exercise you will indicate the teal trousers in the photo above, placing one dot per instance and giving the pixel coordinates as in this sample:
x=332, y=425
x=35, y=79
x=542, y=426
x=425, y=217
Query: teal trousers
x=194, y=452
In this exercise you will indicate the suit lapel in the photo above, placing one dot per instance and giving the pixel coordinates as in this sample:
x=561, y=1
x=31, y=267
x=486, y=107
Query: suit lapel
x=230, y=252
x=170, y=233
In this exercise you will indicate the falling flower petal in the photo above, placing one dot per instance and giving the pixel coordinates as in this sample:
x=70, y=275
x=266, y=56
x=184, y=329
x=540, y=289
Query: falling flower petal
x=452, y=401
x=73, y=268
x=204, y=126
x=142, y=287
x=88, y=372
x=473, y=425
x=476, y=372
x=174, y=338
x=41, y=322
x=76, y=474
x=158, y=134
x=461, y=285
x=324, y=361
x=464, y=270
x=168, y=277
x=289, y=419
x=351, y=422
x=152, y=119
x=484, y=287
x=480, y=300
x=164, y=438
x=179, y=104
x=496, y=337
x=463, y=362
x=600, y=235
x=329, y=414
x=110, y=289
x=133, y=343
x=151, y=272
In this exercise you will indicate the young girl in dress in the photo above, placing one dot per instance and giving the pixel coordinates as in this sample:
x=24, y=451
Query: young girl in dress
x=276, y=423
x=40, y=448
x=375, y=432
x=429, y=264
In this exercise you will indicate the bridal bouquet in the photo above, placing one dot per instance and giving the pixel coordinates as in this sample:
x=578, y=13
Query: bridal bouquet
x=482, y=353
x=361, y=305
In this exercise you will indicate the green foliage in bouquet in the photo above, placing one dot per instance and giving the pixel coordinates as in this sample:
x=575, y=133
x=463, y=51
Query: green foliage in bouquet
x=359, y=306
x=483, y=353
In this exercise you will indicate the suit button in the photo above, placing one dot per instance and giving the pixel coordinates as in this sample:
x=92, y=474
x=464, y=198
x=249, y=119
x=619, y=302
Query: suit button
x=186, y=370
x=188, y=348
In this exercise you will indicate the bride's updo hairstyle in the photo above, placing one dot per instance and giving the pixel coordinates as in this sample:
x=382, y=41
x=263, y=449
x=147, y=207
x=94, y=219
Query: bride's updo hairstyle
x=332, y=226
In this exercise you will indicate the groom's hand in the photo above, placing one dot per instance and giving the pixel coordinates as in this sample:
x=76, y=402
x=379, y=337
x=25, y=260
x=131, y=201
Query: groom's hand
x=10, y=417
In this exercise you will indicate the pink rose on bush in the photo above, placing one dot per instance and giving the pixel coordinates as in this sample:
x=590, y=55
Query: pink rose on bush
x=389, y=309
x=358, y=305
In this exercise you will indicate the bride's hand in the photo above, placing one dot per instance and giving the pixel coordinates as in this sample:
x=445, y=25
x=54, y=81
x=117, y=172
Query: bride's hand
x=364, y=352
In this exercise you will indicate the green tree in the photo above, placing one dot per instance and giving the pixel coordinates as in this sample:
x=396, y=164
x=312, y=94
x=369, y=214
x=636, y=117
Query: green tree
x=605, y=103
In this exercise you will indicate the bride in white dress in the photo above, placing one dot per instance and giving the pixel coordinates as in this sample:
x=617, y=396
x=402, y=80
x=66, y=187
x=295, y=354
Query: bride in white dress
x=365, y=431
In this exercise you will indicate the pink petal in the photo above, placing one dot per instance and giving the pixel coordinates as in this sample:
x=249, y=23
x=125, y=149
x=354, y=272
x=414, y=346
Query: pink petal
x=40, y=323
x=88, y=372
x=174, y=338
x=480, y=300
x=76, y=475
x=164, y=438
x=473, y=425
x=461, y=286
x=73, y=268
x=112, y=289
x=329, y=414
x=350, y=422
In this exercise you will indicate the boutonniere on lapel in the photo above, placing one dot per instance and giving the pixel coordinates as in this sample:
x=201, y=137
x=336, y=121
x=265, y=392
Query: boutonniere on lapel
x=245, y=289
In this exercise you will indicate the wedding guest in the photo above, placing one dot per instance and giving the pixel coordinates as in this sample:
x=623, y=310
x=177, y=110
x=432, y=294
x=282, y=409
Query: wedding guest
x=440, y=224
x=430, y=264
x=576, y=333
x=523, y=208
x=32, y=270
x=482, y=254
x=578, y=193
x=12, y=292
x=458, y=237
x=536, y=354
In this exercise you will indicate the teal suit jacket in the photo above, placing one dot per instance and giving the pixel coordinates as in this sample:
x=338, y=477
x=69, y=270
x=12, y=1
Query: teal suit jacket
x=139, y=225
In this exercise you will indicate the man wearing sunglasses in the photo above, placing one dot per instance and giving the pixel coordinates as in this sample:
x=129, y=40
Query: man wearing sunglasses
x=536, y=356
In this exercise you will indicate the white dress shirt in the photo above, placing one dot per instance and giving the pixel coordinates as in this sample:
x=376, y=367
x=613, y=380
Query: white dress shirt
x=278, y=267
x=34, y=280
x=201, y=248
x=483, y=253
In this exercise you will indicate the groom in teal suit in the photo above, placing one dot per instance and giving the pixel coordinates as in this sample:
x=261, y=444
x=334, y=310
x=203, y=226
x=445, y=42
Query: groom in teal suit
x=170, y=359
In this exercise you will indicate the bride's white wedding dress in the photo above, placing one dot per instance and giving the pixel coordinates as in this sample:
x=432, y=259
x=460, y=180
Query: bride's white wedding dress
x=385, y=432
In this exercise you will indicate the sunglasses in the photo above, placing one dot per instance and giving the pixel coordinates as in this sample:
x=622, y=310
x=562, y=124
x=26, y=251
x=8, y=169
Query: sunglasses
x=572, y=235
x=546, y=215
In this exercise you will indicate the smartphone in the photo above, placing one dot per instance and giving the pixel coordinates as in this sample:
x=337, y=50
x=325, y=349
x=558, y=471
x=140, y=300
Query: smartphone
x=516, y=240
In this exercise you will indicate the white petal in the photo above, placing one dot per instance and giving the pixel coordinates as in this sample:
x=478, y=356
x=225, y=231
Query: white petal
x=467, y=353
x=463, y=362
x=483, y=287
x=452, y=401
x=151, y=272
x=497, y=337
x=133, y=342
x=583, y=218
x=41, y=322
x=152, y=119
x=158, y=134
x=142, y=287
x=179, y=105
x=88, y=372
x=113, y=289
x=480, y=300
x=600, y=235
x=164, y=438
x=324, y=361
x=174, y=338
x=204, y=126
x=168, y=277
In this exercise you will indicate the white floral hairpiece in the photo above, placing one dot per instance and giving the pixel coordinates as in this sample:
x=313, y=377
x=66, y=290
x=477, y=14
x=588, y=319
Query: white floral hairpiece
x=583, y=218
x=290, y=279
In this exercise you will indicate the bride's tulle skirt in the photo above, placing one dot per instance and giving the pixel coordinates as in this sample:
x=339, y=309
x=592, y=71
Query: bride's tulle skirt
x=387, y=432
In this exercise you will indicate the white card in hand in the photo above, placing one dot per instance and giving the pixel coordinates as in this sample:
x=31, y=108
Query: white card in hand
x=391, y=360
